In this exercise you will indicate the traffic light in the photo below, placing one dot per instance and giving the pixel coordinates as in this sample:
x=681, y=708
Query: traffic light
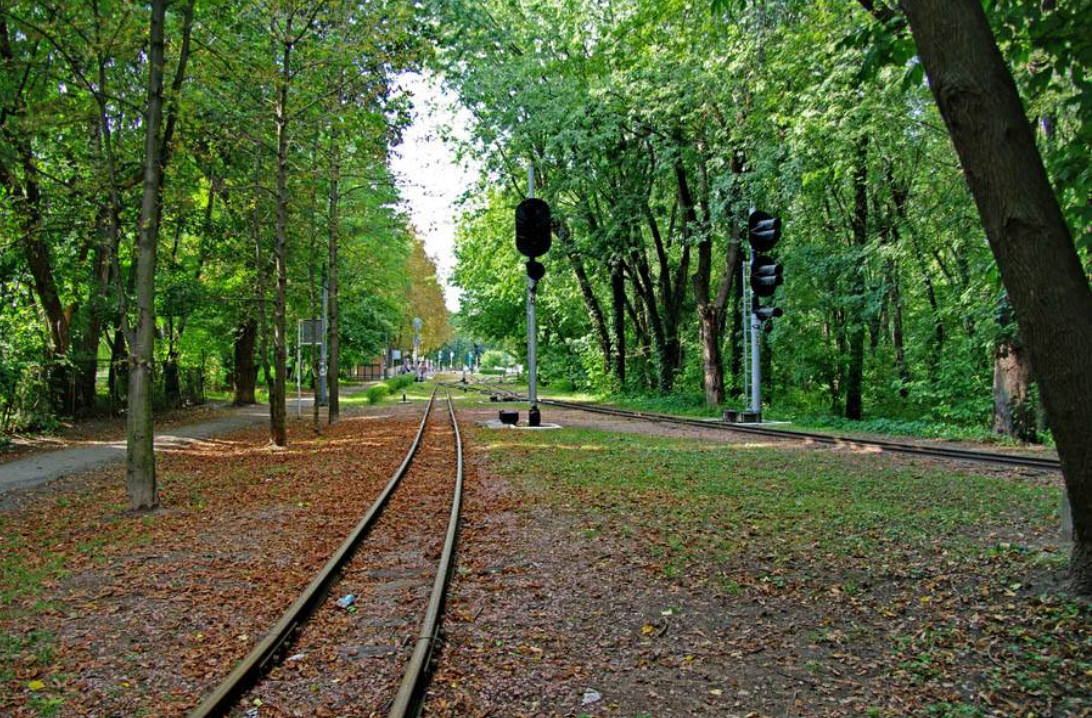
x=535, y=270
x=765, y=276
x=533, y=227
x=765, y=313
x=764, y=232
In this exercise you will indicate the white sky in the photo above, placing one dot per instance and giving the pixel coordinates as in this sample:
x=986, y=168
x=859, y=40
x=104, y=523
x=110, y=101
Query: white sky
x=429, y=176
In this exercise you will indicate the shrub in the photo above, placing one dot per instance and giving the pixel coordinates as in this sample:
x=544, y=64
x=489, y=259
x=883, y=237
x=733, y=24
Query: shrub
x=400, y=382
x=377, y=393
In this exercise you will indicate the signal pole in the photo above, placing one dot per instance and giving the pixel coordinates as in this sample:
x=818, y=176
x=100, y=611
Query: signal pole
x=763, y=232
x=533, y=239
x=756, y=337
x=534, y=417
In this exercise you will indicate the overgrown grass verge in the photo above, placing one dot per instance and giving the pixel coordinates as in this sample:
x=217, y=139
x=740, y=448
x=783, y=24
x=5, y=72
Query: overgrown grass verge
x=693, y=405
x=945, y=583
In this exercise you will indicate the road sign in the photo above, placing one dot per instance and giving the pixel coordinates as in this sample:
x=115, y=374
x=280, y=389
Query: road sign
x=311, y=332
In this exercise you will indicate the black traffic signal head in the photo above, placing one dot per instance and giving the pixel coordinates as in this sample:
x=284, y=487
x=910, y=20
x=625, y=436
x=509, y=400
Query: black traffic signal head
x=765, y=276
x=763, y=231
x=533, y=227
x=765, y=313
x=535, y=270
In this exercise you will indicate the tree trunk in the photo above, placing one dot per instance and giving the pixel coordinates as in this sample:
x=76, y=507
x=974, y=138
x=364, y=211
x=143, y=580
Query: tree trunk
x=898, y=336
x=245, y=375
x=595, y=312
x=618, y=319
x=278, y=430
x=333, y=414
x=712, y=363
x=737, y=337
x=172, y=387
x=141, y=479
x=118, y=374
x=1039, y=265
x=856, y=320
x=1013, y=413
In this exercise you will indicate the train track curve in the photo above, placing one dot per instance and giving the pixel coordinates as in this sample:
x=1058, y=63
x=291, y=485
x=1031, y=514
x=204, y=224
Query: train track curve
x=878, y=445
x=313, y=600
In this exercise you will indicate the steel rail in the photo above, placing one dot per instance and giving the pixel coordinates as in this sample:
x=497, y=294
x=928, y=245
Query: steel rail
x=882, y=445
x=248, y=670
x=408, y=701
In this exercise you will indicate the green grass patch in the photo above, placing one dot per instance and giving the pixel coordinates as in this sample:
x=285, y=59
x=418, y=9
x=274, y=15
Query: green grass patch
x=859, y=541
x=23, y=573
x=798, y=500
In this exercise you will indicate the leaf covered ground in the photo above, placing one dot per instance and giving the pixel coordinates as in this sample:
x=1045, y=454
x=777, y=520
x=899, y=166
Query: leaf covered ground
x=626, y=573
x=103, y=612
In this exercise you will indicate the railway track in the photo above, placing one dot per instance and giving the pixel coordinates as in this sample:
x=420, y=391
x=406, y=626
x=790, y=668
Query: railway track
x=876, y=445
x=390, y=547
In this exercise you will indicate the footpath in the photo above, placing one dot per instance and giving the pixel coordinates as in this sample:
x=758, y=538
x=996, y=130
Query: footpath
x=48, y=466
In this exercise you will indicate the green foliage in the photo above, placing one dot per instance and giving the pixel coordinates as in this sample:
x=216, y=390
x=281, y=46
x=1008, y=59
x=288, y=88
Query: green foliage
x=400, y=382
x=496, y=359
x=781, y=106
x=377, y=393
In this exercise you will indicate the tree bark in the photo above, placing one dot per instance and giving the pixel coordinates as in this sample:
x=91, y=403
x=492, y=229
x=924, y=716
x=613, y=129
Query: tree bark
x=898, y=336
x=278, y=413
x=245, y=374
x=1013, y=414
x=618, y=319
x=856, y=320
x=334, y=411
x=1038, y=262
x=140, y=475
x=591, y=302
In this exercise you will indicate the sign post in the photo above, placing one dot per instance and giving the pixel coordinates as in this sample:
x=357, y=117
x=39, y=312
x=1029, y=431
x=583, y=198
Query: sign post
x=309, y=333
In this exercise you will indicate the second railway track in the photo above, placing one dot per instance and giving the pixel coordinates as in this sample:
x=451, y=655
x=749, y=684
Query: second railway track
x=371, y=656
x=879, y=445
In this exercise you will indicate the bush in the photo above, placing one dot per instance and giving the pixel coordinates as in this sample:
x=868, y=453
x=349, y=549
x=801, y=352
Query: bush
x=400, y=382
x=496, y=359
x=377, y=393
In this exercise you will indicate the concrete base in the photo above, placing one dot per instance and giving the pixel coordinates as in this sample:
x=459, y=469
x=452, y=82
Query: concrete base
x=494, y=424
x=714, y=420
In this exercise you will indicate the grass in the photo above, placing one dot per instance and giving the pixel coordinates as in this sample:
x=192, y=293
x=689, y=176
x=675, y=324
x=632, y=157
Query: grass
x=693, y=405
x=797, y=499
x=748, y=521
x=227, y=394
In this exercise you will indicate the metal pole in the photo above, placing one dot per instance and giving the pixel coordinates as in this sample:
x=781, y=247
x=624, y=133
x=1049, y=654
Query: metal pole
x=756, y=363
x=744, y=324
x=532, y=346
x=322, y=400
x=299, y=368
x=534, y=417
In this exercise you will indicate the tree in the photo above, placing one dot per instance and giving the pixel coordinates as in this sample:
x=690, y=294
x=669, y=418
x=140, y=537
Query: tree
x=140, y=465
x=1046, y=282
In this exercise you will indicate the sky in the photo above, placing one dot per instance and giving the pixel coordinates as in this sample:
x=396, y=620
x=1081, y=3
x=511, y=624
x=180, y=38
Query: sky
x=429, y=176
